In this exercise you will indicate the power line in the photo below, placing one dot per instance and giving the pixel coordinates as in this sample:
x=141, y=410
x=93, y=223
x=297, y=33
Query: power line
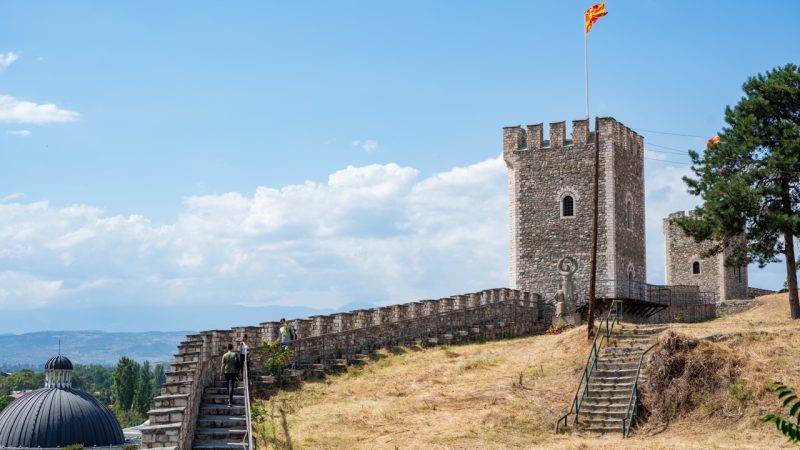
x=670, y=133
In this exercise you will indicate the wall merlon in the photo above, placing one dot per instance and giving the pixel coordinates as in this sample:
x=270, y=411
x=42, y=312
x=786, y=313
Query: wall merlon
x=535, y=136
x=513, y=139
x=580, y=131
x=557, y=134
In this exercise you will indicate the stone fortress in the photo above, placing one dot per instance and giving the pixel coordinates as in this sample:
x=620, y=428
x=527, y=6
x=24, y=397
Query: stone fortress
x=550, y=208
x=550, y=199
x=550, y=205
x=683, y=264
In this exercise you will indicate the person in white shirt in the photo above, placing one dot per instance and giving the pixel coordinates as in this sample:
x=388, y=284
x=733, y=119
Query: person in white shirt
x=243, y=349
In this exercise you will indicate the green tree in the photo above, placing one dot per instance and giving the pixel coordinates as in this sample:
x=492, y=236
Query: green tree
x=124, y=382
x=750, y=180
x=159, y=377
x=94, y=379
x=22, y=380
x=5, y=400
x=144, y=390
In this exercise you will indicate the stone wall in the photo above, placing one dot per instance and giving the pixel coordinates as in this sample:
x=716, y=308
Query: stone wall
x=487, y=314
x=542, y=172
x=681, y=252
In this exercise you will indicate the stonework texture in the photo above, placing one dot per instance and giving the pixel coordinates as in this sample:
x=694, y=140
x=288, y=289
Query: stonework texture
x=542, y=172
x=681, y=252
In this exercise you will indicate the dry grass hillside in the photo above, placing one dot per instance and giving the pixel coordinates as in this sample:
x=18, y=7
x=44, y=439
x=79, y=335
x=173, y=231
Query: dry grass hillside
x=508, y=394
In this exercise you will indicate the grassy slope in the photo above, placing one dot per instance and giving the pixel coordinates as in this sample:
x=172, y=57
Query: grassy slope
x=470, y=396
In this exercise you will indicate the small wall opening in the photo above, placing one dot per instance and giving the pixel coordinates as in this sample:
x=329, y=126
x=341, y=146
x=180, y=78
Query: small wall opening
x=696, y=268
x=567, y=206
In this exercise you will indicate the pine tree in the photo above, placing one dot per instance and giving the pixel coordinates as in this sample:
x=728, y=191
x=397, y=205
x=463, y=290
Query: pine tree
x=750, y=179
x=144, y=390
x=124, y=382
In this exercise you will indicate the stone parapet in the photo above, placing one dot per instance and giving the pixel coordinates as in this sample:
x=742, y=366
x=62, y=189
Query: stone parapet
x=493, y=312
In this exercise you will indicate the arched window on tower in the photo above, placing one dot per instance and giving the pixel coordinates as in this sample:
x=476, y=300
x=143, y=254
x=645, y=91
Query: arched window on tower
x=696, y=267
x=567, y=206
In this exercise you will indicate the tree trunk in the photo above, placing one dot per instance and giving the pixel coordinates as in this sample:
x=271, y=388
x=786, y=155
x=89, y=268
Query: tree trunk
x=791, y=274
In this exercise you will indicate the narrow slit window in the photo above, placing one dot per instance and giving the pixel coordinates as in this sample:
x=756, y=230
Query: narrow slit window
x=568, y=206
x=696, y=267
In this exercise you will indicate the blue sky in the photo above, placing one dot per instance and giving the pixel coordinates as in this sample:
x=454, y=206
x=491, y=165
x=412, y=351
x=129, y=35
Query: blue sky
x=157, y=155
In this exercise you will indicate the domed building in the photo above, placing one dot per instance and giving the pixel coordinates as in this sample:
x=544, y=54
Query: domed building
x=58, y=415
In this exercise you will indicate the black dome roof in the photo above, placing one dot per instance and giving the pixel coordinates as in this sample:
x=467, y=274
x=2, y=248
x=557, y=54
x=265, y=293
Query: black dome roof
x=58, y=363
x=53, y=417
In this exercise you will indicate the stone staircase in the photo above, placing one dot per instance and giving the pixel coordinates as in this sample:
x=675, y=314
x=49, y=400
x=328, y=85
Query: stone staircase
x=169, y=408
x=219, y=426
x=611, y=384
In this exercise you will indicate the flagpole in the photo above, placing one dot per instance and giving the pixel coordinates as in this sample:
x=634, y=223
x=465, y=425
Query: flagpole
x=586, y=67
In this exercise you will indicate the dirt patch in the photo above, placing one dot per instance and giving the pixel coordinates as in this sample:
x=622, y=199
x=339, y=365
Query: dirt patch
x=686, y=375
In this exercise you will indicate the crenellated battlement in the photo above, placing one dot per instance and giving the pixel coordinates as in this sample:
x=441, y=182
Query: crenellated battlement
x=517, y=139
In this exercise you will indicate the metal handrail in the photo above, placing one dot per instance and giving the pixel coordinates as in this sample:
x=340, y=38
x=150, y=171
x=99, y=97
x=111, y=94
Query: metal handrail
x=591, y=363
x=627, y=421
x=248, y=417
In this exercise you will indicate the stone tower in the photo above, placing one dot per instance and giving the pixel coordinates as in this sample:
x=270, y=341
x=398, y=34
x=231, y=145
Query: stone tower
x=683, y=264
x=550, y=187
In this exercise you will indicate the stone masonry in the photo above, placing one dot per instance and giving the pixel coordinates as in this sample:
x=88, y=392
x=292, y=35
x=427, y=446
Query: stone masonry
x=542, y=173
x=489, y=314
x=681, y=252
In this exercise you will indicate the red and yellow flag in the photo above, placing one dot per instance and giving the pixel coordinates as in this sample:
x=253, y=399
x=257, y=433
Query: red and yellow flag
x=713, y=141
x=592, y=14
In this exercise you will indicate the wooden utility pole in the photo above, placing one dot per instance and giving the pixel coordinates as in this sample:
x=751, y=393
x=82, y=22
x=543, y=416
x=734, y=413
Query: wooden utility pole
x=595, y=195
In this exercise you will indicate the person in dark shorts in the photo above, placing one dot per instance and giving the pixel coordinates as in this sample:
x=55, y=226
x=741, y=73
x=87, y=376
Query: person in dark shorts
x=229, y=370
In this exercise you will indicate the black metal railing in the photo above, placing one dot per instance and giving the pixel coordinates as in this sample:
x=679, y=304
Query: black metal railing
x=630, y=414
x=603, y=333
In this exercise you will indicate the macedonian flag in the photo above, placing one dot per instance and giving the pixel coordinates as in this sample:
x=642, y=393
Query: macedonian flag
x=592, y=14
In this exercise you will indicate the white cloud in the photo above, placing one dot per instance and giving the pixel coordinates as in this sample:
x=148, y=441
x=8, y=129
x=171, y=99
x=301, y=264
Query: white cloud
x=20, y=111
x=367, y=145
x=378, y=233
x=373, y=233
x=20, y=133
x=24, y=291
x=6, y=59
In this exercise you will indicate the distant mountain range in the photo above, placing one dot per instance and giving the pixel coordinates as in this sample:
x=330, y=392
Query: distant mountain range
x=32, y=350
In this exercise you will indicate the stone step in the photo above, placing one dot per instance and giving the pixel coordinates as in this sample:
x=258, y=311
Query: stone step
x=603, y=407
x=177, y=366
x=221, y=409
x=166, y=415
x=614, y=373
x=213, y=399
x=221, y=421
x=213, y=390
x=223, y=384
x=217, y=445
x=217, y=434
x=611, y=378
x=612, y=399
x=179, y=375
x=596, y=414
x=194, y=338
x=605, y=402
x=177, y=387
x=603, y=429
x=162, y=435
x=605, y=392
x=186, y=357
x=603, y=423
x=170, y=401
x=611, y=366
